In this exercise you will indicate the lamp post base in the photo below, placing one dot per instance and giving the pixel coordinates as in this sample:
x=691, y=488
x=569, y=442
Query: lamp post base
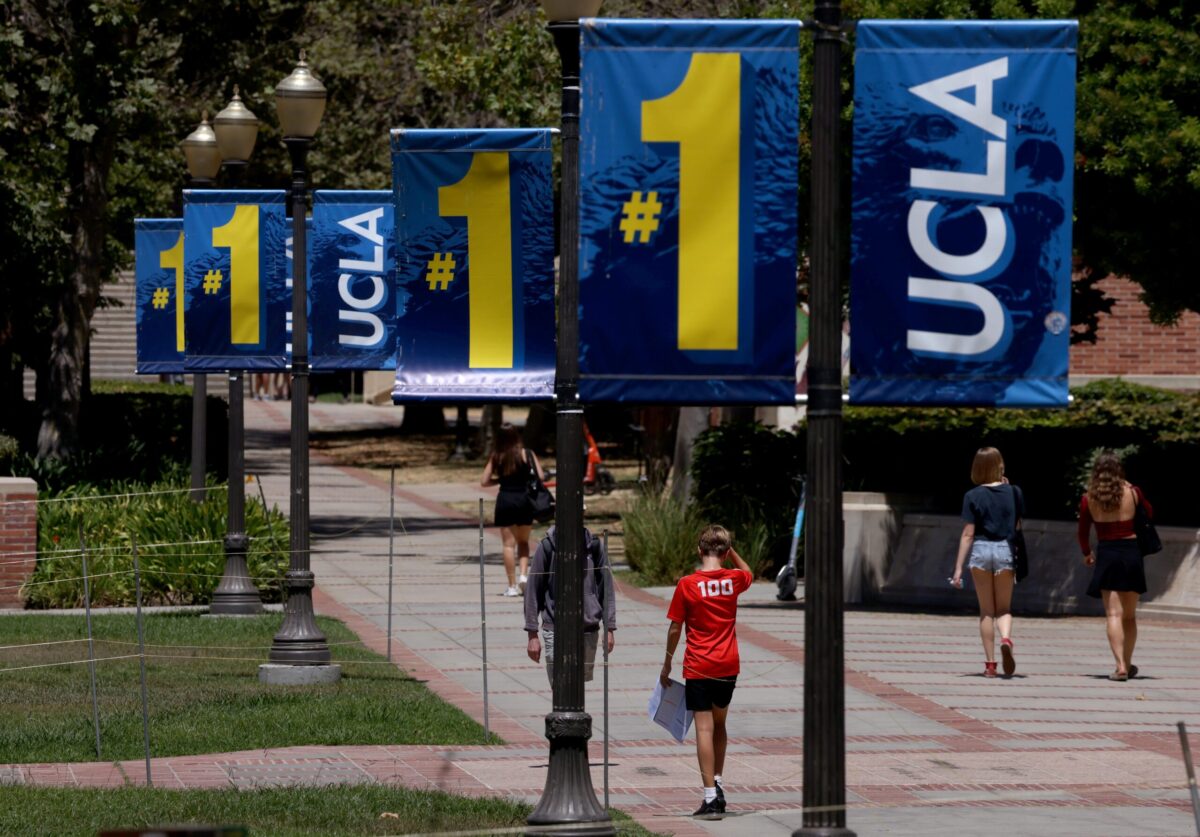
x=236, y=595
x=823, y=831
x=286, y=675
x=569, y=803
x=299, y=641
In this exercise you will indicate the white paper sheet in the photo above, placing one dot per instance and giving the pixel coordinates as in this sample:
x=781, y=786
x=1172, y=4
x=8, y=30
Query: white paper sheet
x=669, y=710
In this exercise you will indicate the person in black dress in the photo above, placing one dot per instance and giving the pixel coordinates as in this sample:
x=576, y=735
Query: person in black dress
x=511, y=465
x=1119, y=575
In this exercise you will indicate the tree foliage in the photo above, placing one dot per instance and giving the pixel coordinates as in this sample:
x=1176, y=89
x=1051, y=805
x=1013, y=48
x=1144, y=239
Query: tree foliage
x=94, y=98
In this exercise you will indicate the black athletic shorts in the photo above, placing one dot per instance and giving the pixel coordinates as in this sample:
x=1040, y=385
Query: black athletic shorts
x=702, y=695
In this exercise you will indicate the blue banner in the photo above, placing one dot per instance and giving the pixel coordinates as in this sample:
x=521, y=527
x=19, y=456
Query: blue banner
x=287, y=283
x=351, y=280
x=158, y=289
x=237, y=299
x=961, y=240
x=475, y=271
x=688, y=223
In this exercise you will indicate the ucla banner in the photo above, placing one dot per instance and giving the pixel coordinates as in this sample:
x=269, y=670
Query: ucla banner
x=158, y=289
x=287, y=283
x=237, y=299
x=688, y=224
x=474, y=258
x=352, y=281
x=961, y=240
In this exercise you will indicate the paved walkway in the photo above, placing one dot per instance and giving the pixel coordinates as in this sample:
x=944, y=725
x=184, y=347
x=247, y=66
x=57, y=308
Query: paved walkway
x=932, y=747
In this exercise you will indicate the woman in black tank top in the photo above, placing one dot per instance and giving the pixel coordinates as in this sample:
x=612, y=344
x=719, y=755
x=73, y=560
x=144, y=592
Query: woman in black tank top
x=511, y=466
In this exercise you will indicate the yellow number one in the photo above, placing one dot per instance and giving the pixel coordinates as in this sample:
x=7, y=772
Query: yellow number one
x=173, y=260
x=482, y=197
x=703, y=115
x=240, y=235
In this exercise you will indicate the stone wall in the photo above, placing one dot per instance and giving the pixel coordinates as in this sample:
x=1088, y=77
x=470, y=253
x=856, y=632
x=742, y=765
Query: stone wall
x=18, y=537
x=905, y=559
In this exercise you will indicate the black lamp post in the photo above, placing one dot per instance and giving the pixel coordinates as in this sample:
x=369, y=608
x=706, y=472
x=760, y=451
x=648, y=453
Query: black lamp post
x=569, y=798
x=203, y=162
x=300, y=101
x=236, y=129
x=824, y=678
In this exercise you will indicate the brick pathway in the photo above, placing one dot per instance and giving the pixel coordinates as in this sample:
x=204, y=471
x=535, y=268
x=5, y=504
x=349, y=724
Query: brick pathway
x=932, y=747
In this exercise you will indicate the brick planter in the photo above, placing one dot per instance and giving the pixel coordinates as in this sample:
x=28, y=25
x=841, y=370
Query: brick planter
x=18, y=537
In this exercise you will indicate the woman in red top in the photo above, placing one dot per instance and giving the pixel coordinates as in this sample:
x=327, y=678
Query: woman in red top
x=1119, y=576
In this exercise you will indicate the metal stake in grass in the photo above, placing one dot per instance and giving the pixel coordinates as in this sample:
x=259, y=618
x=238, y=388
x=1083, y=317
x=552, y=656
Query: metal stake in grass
x=1191, y=773
x=262, y=496
x=483, y=626
x=87, y=609
x=607, y=581
x=391, y=553
x=137, y=582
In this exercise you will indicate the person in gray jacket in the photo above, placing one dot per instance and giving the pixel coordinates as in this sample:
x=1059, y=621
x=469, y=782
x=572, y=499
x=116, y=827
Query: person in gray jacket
x=599, y=603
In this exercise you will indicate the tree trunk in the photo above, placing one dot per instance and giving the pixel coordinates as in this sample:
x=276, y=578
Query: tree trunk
x=489, y=426
x=88, y=164
x=539, y=427
x=692, y=422
x=423, y=418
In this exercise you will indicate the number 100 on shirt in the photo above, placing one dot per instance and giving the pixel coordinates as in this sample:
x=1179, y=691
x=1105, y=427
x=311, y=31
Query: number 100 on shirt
x=688, y=219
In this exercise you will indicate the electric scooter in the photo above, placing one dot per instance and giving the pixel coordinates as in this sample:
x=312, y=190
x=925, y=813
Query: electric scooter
x=787, y=579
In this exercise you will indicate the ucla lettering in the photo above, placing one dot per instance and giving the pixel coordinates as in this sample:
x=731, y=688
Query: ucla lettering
x=971, y=269
x=363, y=275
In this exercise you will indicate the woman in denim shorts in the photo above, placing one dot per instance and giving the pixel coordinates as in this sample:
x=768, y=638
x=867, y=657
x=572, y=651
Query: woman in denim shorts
x=991, y=514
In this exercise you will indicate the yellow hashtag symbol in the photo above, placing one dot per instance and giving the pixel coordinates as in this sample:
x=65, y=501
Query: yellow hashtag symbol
x=212, y=282
x=440, y=271
x=639, y=217
x=160, y=298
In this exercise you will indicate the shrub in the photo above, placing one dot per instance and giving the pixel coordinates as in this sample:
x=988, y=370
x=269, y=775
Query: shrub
x=744, y=474
x=660, y=537
x=10, y=452
x=127, y=431
x=184, y=572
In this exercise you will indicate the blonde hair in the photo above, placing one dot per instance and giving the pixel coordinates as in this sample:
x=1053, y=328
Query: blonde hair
x=1107, y=484
x=987, y=467
x=715, y=540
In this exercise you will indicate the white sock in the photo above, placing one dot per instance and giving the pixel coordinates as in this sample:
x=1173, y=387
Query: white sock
x=717, y=780
x=710, y=794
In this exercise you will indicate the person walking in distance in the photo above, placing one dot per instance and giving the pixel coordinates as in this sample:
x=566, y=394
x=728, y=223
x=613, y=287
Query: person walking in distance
x=705, y=603
x=991, y=514
x=599, y=602
x=511, y=465
x=1119, y=574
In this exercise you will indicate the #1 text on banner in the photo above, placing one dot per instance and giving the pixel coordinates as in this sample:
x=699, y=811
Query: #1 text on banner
x=688, y=217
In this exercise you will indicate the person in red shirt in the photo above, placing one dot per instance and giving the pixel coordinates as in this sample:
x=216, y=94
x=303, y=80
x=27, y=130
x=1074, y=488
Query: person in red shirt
x=1119, y=574
x=706, y=603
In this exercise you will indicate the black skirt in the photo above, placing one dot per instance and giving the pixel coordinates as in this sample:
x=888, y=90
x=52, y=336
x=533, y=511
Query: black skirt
x=1118, y=567
x=513, y=508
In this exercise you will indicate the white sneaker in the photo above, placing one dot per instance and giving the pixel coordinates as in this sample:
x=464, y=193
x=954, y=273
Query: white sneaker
x=521, y=582
x=512, y=592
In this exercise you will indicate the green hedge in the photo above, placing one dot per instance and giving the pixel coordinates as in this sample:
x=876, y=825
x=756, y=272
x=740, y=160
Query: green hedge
x=184, y=573
x=747, y=473
x=128, y=431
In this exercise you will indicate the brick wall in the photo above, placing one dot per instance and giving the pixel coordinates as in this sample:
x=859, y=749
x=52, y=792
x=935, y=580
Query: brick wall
x=18, y=537
x=1128, y=344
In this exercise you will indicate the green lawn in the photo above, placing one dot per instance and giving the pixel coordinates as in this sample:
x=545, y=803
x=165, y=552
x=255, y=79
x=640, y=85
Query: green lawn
x=287, y=812
x=203, y=699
